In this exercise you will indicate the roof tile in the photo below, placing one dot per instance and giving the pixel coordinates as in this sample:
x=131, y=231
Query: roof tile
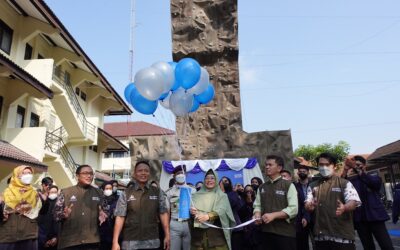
x=11, y=152
x=124, y=129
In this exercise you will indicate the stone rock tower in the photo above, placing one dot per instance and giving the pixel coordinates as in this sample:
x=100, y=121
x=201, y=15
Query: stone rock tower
x=207, y=30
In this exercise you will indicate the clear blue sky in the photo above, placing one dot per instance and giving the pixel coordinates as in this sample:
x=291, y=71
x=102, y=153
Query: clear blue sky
x=328, y=71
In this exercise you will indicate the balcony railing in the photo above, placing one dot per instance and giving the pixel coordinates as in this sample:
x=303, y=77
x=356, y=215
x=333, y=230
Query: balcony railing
x=63, y=78
x=54, y=143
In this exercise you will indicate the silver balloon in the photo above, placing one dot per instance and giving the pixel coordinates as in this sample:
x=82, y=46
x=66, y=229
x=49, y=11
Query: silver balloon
x=202, y=84
x=149, y=83
x=168, y=74
x=165, y=102
x=181, y=102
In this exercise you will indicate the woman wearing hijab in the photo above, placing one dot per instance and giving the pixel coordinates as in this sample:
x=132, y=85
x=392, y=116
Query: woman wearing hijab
x=48, y=227
x=236, y=203
x=106, y=228
x=252, y=232
x=210, y=205
x=20, y=208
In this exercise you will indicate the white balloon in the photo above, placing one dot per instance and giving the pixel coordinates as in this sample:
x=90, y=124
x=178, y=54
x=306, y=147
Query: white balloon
x=202, y=84
x=165, y=102
x=168, y=73
x=149, y=83
x=181, y=102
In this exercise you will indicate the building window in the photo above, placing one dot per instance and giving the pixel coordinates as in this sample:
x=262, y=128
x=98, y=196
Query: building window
x=39, y=56
x=19, y=122
x=28, y=52
x=119, y=154
x=93, y=148
x=77, y=91
x=116, y=154
x=57, y=71
x=83, y=95
x=67, y=77
x=52, y=123
x=6, y=34
x=35, y=119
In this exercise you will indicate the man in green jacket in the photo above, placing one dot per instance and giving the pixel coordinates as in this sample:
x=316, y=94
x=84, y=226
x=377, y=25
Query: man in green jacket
x=332, y=200
x=138, y=211
x=276, y=207
x=79, y=210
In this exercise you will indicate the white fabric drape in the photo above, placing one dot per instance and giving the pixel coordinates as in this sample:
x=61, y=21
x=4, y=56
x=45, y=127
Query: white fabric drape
x=205, y=165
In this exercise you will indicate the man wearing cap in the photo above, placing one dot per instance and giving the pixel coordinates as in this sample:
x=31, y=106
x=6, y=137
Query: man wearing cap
x=179, y=228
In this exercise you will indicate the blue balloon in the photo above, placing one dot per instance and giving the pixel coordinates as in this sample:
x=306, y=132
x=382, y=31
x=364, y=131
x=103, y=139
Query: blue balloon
x=195, y=106
x=141, y=104
x=128, y=90
x=206, y=96
x=176, y=84
x=163, y=96
x=187, y=72
x=173, y=64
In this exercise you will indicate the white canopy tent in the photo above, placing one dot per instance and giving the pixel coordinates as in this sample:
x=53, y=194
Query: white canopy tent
x=249, y=166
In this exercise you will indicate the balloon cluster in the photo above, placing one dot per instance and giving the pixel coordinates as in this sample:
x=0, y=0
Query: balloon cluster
x=181, y=87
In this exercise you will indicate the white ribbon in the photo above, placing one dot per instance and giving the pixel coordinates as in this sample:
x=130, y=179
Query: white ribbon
x=231, y=228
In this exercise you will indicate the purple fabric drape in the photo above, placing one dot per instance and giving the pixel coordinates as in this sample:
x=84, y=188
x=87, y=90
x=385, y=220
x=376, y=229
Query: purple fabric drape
x=169, y=168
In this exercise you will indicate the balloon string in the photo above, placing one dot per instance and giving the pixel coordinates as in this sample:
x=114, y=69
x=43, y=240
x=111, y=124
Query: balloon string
x=132, y=40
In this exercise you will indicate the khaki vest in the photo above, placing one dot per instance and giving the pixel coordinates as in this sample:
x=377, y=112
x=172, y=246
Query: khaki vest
x=274, y=199
x=327, y=192
x=18, y=227
x=141, y=221
x=82, y=226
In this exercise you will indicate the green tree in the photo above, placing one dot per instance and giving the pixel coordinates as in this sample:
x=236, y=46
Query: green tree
x=310, y=152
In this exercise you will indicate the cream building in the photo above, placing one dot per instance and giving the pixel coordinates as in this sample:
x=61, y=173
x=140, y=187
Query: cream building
x=53, y=98
x=144, y=140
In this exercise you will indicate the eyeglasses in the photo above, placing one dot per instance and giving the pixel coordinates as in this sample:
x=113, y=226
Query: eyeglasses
x=210, y=178
x=86, y=173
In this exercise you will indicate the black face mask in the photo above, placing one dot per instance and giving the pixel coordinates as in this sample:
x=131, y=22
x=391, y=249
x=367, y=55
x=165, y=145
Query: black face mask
x=227, y=186
x=255, y=187
x=240, y=192
x=198, y=188
x=303, y=176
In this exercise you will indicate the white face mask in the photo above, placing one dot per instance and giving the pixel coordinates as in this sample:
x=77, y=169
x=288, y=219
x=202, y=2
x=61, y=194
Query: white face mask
x=325, y=171
x=115, y=189
x=27, y=179
x=52, y=196
x=107, y=192
x=180, y=178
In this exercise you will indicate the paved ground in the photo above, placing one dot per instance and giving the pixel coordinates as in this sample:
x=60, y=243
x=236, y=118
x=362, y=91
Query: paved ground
x=395, y=239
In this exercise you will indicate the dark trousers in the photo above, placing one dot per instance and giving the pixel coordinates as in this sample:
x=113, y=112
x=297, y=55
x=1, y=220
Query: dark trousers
x=105, y=245
x=237, y=240
x=23, y=244
x=302, y=239
x=271, y=241
x=94, y=246
x=378, y=229
x=331, y=245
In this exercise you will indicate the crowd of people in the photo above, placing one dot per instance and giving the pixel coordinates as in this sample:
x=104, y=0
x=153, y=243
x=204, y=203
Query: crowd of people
x=322, y=212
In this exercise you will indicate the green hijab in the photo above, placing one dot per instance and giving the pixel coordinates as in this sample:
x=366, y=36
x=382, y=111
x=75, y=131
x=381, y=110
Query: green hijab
x=215, y=201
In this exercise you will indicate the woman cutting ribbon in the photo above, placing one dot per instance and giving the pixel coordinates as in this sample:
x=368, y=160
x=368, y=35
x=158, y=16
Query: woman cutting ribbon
x=210, y=205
